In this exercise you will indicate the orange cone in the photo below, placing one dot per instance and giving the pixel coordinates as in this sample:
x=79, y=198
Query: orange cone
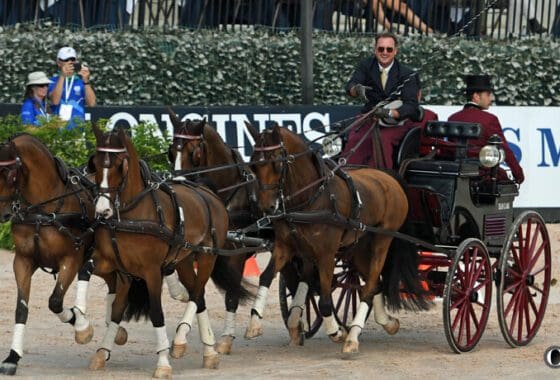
x=251, y=268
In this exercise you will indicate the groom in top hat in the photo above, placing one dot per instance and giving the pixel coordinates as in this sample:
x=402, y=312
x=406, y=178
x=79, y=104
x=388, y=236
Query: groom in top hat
x=479, y=99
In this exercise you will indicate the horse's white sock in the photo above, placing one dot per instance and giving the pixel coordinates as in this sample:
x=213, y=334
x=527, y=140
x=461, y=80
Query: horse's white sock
x=82, y=322
x=81, y=296
x=358, y=322
x=205, y=329
x=17, y=338
x=260, y=300
x=65, y=315
x=379, y=312
x=331, y=326
x=109, y=338
x=176, y=288
x=185, y=324
x=229, y=324
x=162, y=346
x=109, y=306
x=301, y=295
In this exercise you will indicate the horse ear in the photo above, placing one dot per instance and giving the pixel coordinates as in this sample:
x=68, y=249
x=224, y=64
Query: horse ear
x=198, y=128
x=276, y=133
x=96, y=131
x=174, y=119
x=253, y=131
x=91, y=164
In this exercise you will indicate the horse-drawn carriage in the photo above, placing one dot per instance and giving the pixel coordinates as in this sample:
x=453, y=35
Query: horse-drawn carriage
x=467, y=238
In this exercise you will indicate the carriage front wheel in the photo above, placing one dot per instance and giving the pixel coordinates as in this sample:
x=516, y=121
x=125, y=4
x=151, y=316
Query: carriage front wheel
x=524, y=279
x=467, y=296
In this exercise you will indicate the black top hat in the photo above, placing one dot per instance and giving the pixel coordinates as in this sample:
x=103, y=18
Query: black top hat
x=476, y=83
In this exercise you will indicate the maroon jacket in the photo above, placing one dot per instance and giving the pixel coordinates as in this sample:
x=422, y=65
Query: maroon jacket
x=490, y=126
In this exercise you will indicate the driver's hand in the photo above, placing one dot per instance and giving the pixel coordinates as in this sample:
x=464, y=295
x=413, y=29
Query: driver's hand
x=382, y=113
x=360, y=90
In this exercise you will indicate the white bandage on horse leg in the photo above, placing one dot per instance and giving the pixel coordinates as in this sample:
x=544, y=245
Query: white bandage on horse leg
x=176, y=289
x=205, y=328
x=379, y=312
x=300, y=297
x=81, y=296
x=82, y=322
x=17, y=338
x=185, y=324
x=65, y=315
x=331, y=326
x=229, y=324
x=358, y=322
x=109, y=338
x=162, y=346
x=109, y=307
x=260, y=300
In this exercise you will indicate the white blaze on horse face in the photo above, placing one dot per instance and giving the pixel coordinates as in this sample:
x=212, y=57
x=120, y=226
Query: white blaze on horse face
x=178, y=161
x=103, y=206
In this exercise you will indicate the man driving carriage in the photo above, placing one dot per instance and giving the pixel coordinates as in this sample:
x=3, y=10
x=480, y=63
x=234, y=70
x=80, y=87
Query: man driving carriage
x=479, y=98
x=378, y=78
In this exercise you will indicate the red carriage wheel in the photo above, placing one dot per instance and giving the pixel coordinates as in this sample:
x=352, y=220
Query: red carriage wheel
x=345, y=292
x=312, y=315
x=524, y=282
x=467, y=296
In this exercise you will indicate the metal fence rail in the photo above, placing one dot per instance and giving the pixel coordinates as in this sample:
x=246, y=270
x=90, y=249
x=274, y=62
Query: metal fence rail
x=498, y=18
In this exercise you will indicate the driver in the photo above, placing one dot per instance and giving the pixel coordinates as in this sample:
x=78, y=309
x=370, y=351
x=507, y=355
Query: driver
x=375, y=79
x=479, y=95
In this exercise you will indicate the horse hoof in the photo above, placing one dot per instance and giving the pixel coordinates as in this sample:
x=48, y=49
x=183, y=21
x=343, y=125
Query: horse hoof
x=84, y=336
x=162, y=372
x=350, y=349
x=340, y=336
x=224, y=345
x=392, y=327
x=211, y=362
x=253, y=332
x=178, y=350
x=297, y=335
x=122, y=336
x=97, y=361
x=8, y=369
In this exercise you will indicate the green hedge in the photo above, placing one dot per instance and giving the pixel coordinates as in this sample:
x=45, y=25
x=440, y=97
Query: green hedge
x=259, y=68
x=75, y=146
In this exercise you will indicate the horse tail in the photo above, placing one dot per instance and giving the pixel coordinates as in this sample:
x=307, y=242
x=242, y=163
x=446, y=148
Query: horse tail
x=227, y=278
x=138, y=301
x=402, y=286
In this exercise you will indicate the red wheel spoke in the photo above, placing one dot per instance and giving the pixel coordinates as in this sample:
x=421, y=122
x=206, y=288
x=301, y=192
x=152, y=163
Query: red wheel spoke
x=482, y=283
x=536, y=257
x=472, y=267
x=476, y=322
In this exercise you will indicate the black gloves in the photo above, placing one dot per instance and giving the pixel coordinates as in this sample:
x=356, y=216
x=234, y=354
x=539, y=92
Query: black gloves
x=382, y=113
x=360, y=90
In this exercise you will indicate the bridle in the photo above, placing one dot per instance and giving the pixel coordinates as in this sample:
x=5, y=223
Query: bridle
x=180, y=139
x=12, y=168
x=104, y=191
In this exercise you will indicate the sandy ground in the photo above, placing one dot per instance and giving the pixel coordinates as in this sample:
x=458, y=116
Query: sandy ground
x=418, y=350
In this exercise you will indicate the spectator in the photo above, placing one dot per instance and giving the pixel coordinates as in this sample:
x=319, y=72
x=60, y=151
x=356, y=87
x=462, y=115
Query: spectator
x=479, y=95
x=377, y=79
x=70, y=92
x=556, y=24
x=400, y=7
x=520, y=11
x=34, y=107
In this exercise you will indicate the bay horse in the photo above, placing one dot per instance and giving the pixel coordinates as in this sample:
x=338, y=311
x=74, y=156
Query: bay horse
x=197, y=146
x=148, y=228
x=320, y=216
x=51, y=210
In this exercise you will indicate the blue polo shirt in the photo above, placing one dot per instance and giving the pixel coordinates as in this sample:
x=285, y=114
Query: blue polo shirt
x=30, y=114
x=73, y=94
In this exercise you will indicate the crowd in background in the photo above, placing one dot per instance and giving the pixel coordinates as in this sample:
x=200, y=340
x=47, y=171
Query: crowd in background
x=498, y=18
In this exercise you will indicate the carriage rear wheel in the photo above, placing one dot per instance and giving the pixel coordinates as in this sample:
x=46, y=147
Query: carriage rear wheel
x=467, y=296
x=312, y=316
x=524, y=282
x=346, y=285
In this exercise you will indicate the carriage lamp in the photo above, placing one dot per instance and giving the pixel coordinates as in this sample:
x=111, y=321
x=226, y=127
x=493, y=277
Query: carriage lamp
x=332, y=145
x=492, y=154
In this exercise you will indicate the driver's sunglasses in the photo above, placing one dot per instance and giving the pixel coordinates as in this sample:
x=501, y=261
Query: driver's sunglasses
x=381, y=49
x=68, y=60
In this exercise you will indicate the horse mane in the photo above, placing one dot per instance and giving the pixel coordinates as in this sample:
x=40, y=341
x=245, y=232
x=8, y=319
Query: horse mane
x=34, y=141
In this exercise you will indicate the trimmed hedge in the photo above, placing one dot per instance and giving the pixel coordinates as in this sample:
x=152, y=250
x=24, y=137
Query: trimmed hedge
x=256, y=67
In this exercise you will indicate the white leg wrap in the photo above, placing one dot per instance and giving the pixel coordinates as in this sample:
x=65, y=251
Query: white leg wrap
x=17, y=338
x=109, y=306
x=205, y=329
x=331, y=326
x=301, y=296
x=81, y=321
x=109, y=338
x=185, y=324
x=361, y=314
x=161, y=338
x=176, y=289
x=81, y=296
x=260, y=300
x=65, y=315
x=229, y=324
x=379, y=312
x=163, y=359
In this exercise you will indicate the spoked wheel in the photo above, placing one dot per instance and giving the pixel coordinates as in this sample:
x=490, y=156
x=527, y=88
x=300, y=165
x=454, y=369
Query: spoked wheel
x=467, y=296
x=312, y=316
x=525, y=273
x=345, y=292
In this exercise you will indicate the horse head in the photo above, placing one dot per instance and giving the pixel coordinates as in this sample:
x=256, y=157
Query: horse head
x=10, y=174
x=111, y=164
x=187, y=149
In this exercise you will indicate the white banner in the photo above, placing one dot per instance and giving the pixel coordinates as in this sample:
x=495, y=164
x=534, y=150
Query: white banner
x=533, y=134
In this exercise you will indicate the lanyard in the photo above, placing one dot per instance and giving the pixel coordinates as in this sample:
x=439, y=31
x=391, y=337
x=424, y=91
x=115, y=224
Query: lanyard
x=42, y=109
x=67, y=88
